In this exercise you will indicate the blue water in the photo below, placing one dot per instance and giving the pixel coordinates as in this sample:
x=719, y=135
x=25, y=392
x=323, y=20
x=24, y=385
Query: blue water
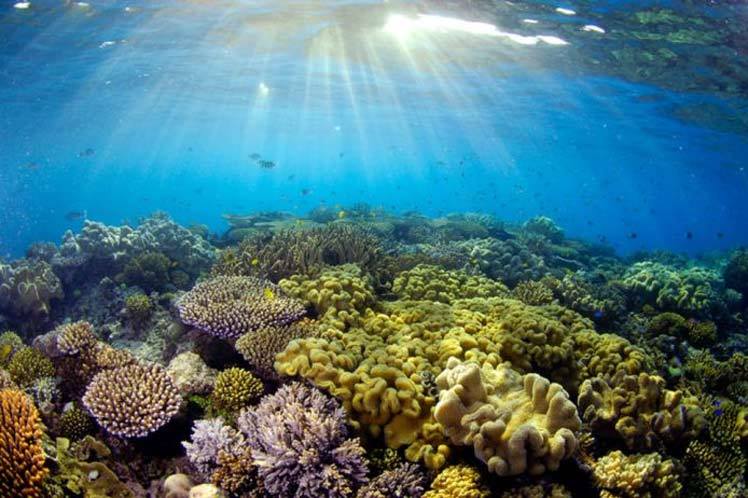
x=172, y=98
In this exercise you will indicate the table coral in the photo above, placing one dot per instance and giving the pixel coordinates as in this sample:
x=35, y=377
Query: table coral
x=639, y=411
x=228, y=307
x=637, y=476
x=22, y=468
x=432, y=283
x=132, y=401
x=515, y=423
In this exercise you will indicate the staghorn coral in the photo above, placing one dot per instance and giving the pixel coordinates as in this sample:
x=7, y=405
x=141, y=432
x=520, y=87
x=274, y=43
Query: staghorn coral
x=338, y=295
x=533, y=293
x=516, y=424
x=432, y=283
x=27, y=288
x=72, y=338
x=29, y=365
x=229, y=307
x=22, y=468
x=209, y=439
x=458, y=481
x=639, y=411
x=132, y=401
x=507, y=261
x=301, y=446
x=405, y=480
x=260, y=347
x=637, y=476
x=235, y=388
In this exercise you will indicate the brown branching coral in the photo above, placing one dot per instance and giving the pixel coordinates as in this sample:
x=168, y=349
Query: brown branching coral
x=229, y=307
x=235, y=388
x=532, y=292
x=132, y=401
x=22, y=468
x=72, y=338
x=260, y=347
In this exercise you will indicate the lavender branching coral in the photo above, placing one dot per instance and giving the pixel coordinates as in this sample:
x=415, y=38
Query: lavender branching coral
x=209, y=438
x=229, y=307
x=132, y=401
x=301, y=444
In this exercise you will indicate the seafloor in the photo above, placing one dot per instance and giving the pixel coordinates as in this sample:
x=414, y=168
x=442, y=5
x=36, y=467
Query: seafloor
x=355, y=353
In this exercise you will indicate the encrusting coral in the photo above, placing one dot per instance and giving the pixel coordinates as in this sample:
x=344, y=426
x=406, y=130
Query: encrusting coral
x=639, y=411
x=515, y=423
x=458, y=481
x=132, y=401
x=229, y=307
x=301, y=445
x=637, y=476
x=22, y=468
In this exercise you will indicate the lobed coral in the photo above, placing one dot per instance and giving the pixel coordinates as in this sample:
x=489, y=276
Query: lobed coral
x=637, y=476
x=515, y=423
x=132, y=401
x=229, y=307
x=22, y=468
x=301, y=445
x=27, y=289
x=639, y=411
x=432, y=283
x=507, y=261
x=596, y=300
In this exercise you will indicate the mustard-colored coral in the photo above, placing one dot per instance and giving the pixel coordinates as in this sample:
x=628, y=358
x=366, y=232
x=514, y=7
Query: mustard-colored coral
x=29, y=365
x=458, y=481
x=339, y=294
x=260, y=347
x=235, y=388
x=515, y=423
x=533, y=292
x=605, y=354
x=639, y=411
x=22, y=468
x=433, y=283
x=637, y=476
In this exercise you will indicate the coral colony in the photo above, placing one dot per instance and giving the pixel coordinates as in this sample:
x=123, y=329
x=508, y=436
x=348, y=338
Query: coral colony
x=369, y=356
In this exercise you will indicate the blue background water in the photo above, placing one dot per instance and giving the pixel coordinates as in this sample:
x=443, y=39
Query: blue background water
x=173, y=98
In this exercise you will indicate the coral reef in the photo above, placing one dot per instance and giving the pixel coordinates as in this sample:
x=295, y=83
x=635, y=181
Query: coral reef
x=29, y=365
x=260, y=347
x=404, y=480
x=229, y=307
x=133, y=400
x=532, y=293
x=458, y=481
x=431, y=283
x=209, y=439
x=149, y=271
x=27, y=289
x=507, y=261
x=22, y=468
x=235, y=388
x=637, y=476
x=516, y=424
x=301, y=445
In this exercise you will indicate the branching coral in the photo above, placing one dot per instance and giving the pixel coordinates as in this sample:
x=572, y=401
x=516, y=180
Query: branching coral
x=516, y=424
x=132, y=401
x=260, y=347
x=432, y=283
x=210, y=438
x=138, y=308
x=22, y=468
x=74, y=423
x=406, y=480
x=458, y=481
x=237, y=475
x=72, y=338
x=639, y=411
x=301, y=446
x=338, y=295
x=637, y=476
x=229, y=307
x=29, y=365
x=534, y=293
x=235, y=388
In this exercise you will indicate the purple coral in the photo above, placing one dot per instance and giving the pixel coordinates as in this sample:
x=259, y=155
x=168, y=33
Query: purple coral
x=300, y=444
x=405, y=480
x=229, y=307
x=209, y=438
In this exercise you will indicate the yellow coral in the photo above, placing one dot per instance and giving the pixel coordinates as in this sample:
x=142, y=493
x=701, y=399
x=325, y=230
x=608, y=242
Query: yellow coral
x=458, y=481
x=235, y=388
x=432, y=283
x=515, y=423
x=637, y=476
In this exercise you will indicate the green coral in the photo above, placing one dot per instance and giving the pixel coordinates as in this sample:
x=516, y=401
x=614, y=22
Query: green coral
x=432, y=283
x=83, y=470
x=29, y=365
x=139, y=308
x=508, y=261
x=235, y=388
x=149, y=271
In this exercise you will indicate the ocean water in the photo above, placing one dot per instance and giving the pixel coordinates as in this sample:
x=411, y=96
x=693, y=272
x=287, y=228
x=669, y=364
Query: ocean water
x=431, y=106
x=373, y=249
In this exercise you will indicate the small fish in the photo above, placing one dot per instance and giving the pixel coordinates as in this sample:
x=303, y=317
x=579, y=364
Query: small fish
x=254, y=156
x=265, y=164
x=689, y=235
x=255, y=261
x=342, y=214
x=306, y=191
x=5, y=351
x=32, y=166
x=633, y=235
x=269, y=294
x=598, y=314
x=87, y=152
x=75, y=215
